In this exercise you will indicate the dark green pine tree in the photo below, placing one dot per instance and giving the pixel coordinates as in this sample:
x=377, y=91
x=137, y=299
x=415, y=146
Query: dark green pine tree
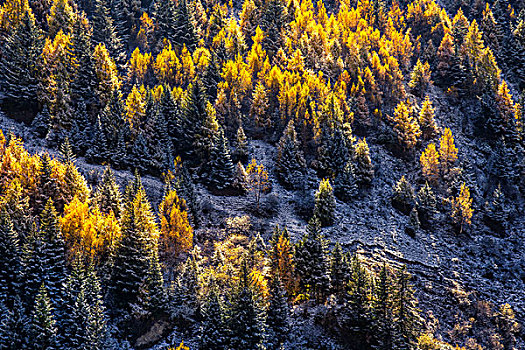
x=213, y=331
x=164, y=15
x=358, y=307
x=65, y=152
x=339, y=271
x=210, y=77
x=139, y=155
x=312, y=262
x=43, y=325
x=84, y=82
x=184, y=32
x=104, y=31
x=222, y=170
x=383, y=316
x=98, y=150
x=406, y=315
x=13, y=327
x=18, y=71
x=54, y=254
x=160, y=147
x=10, y=261
x=290, y=163
x=273, y=23
x=426, y=205
x=240, y=153
x=108, y=196
x=246, y=319
x=42, y=122
x=324, y=208
x=278, y=315
x=152, y=296
x=80, y=134
x=170, y=109
x=193, y=118
x=345, y=184
x=332, y=150
x=134, y=251
x=403, y=198
x=184, y=302
x=112, y=119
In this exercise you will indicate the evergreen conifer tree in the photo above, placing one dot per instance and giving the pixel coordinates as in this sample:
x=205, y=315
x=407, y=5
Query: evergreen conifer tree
x=426, y=204
x=383, y=313
x=13, y=326
x=403, y=198
x=240, y=153
x=339, y=271
x=364, y=170
x=345, y=184
x=290, y=163
x=246, y=319
x=325, y=203
x=42, y=122
x=184, y=302
x=221, y=166
x=406, y=314
x=18, y=70
x=108, y=195
x=104, y=31
x=134, y=252
x=184, y=32
x=312, y=262
x=43, y=325
x=213, y=332
x=497, y=213
x=277, y=318
x=10, y=261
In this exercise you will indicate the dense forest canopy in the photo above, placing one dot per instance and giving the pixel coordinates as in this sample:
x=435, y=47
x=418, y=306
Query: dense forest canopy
x=256, y=137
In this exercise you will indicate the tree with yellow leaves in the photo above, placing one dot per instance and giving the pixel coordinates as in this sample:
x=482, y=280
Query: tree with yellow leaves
x=138, y=68
x=145, y=33
x=426, y=119
x=257, y=179
x=136, y=106
x=462, y=208
x=448, y=153
x=281, y=258
x=106, y=73
x=167, y=65
x=176, y=233
x=430, y=163
x=420, y=78
x=406, y=126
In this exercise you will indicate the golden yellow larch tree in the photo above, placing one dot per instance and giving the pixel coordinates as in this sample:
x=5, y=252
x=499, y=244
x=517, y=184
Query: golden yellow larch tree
x=60, y=17
x=176, y=233
x=167, y=65
x=106, y=72
x=257, y=55
x=260, y=106
x=145, y=33
x=406, y=126
x=136, y=105
x=426, y=119
x=429, y=160
x=11, y=13
x=138, y=67
x=88, y=232
x=188, y=69
x=462, y=208
x=448, y=153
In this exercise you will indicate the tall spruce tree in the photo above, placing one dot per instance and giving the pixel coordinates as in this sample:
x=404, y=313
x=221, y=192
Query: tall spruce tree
x=10, y=261
x=222, y=169
x=324, y=208
x=213, y=331
x=278, y=314
x=184, y=32
x=104, y=31
x=108, y=195
x=134, y=252
x=406, y=314
x=290, y=163
x=13, y=326
x=246, y=320
x=383, y=315
x=345, y=184
x=312, y=263
x=18, y=64
x=43, y=325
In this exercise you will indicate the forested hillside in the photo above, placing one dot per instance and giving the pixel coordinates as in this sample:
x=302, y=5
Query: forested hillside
x=265, y=174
